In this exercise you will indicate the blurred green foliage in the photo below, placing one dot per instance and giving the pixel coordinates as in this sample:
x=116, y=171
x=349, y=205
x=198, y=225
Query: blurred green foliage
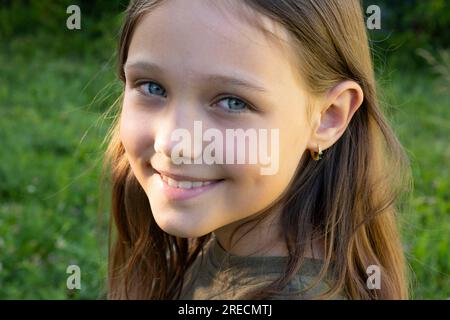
x=44, y=22
x=407, y=25
x=55, y=85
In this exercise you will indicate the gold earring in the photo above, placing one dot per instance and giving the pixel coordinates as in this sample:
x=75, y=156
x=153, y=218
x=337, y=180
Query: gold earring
x=316, y=155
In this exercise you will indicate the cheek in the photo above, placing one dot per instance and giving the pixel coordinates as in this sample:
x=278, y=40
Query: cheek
x=135, y=132
x=292, y=148
x=254, y=191
x=294, y=135
x=251, y=191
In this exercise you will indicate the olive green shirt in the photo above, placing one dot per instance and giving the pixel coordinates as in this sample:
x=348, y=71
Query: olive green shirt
x=216, y=274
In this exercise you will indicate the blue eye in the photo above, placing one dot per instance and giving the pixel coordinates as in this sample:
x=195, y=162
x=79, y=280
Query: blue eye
x=234, y=105
x=152, y=88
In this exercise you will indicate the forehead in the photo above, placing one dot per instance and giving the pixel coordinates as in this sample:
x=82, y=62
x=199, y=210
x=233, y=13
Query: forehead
x=203, y=36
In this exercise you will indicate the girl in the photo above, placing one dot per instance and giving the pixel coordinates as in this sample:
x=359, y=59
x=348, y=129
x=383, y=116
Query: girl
x=322, y=225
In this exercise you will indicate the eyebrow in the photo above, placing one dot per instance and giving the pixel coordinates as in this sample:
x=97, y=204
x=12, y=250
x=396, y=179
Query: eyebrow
x=214, y=78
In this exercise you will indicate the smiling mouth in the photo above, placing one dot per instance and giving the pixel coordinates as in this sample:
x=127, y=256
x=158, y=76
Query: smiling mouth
x=178, y=188
x=182, y=182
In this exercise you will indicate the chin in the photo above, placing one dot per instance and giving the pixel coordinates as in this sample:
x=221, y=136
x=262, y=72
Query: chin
x=180, y=227
x=184, y=232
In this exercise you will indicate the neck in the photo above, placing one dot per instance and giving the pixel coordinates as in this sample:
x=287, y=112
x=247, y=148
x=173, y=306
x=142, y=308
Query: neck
x=263, y=239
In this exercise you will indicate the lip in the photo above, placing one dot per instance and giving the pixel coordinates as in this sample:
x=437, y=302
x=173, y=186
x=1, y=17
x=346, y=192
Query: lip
x=179, y=194
x=180, y=177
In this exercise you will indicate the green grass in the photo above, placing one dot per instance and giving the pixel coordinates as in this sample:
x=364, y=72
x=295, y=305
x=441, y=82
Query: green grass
x=420, y=114
x=50, y=103
x=50, y=172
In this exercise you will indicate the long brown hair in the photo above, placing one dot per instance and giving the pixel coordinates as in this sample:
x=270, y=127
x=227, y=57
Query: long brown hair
x=350, y=197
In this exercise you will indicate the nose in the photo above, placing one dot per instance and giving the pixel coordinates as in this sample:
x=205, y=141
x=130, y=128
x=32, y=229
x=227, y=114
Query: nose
x=174, y=135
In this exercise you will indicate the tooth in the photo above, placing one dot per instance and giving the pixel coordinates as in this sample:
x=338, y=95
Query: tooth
x=171, y=182
x=206, y=183
x=197, y=184
x=185, y=184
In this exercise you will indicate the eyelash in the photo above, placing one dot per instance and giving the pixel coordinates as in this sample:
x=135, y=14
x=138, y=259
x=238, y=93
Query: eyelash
x=248, y=106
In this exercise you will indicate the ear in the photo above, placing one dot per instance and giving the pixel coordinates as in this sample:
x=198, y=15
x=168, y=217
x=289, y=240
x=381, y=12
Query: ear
x=334, y=114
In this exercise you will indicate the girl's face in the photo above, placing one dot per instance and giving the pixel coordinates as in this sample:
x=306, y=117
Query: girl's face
x=180, y=61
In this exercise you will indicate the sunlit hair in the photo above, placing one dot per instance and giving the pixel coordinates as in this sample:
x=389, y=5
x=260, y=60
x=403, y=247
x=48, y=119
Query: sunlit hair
x=349, y=199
